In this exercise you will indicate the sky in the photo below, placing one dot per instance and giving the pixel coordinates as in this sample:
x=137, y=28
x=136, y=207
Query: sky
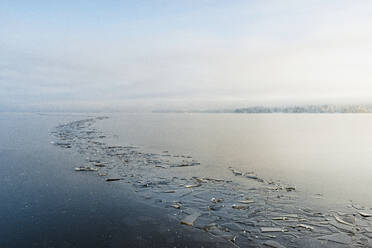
x=183, y=54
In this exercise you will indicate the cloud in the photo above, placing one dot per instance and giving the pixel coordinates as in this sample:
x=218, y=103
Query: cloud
x=214, y=56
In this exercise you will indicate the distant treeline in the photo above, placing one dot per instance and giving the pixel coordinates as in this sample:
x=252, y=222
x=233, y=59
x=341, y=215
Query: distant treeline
x=308, y=109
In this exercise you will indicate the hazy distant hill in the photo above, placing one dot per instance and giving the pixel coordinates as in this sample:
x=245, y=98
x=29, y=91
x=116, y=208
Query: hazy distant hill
x=325, y=108
x=308, y=109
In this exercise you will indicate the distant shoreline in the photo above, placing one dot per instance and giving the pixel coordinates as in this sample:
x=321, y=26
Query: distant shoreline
x=304, y=109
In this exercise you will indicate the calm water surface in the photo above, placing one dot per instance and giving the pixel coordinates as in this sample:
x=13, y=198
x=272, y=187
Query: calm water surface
x=45, y=203
x=329, y=154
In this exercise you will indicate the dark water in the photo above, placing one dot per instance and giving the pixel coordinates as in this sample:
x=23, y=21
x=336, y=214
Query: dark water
x=44, y=203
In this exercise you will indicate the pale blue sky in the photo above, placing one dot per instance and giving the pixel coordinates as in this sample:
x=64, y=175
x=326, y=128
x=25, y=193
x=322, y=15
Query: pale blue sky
x=143, y=55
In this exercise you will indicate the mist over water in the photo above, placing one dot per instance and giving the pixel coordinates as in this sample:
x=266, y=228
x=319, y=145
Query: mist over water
x=327, y=154
x=139, y=63
x=129, y=56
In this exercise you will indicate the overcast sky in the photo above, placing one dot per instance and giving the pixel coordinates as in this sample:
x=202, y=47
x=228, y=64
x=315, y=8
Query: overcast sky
x=144, y=55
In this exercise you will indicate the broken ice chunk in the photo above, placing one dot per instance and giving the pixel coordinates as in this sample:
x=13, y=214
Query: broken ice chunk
x=190, y=219
x=85, y=168
x=272, y=229
x=363, y=214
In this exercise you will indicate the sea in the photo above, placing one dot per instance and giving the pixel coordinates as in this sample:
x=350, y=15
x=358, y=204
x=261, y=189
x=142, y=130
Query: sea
x=297, y=180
